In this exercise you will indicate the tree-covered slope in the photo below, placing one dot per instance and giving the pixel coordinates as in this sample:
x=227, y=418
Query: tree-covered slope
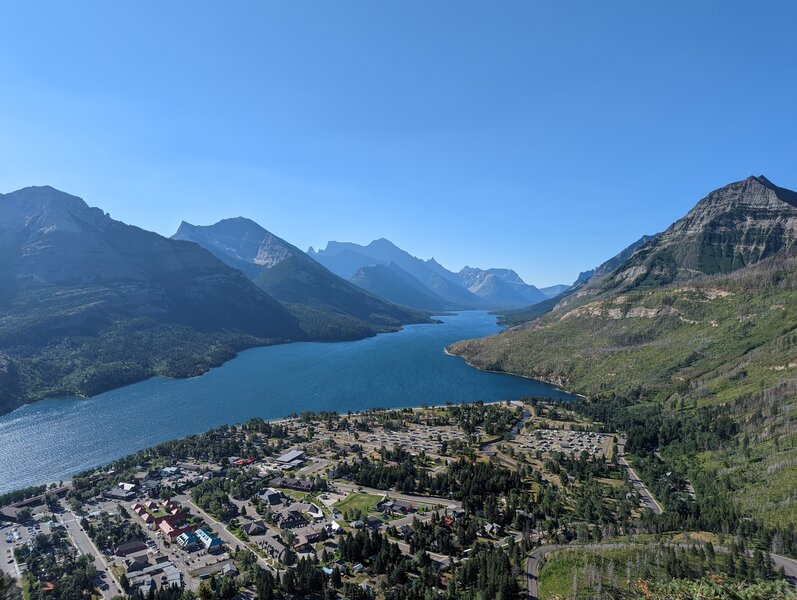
x=89, y=303
x=689, y=339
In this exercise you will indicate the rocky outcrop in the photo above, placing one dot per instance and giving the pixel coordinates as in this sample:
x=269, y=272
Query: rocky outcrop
x=733, y=227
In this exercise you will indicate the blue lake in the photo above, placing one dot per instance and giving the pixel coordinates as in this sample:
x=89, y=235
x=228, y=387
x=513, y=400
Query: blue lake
x=53, y=439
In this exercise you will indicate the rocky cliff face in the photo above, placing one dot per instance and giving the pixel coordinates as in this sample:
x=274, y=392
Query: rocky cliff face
x=734, y=226
x=240, y=239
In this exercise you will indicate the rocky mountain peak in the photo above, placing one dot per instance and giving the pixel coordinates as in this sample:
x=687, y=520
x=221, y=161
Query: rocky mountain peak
x=241, y=239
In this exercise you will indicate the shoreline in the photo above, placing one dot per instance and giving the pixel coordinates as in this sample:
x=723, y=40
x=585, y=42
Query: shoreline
x=375, y=403
x=536, y=379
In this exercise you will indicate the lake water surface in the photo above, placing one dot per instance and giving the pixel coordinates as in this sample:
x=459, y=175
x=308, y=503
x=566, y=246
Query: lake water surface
x=53, y=439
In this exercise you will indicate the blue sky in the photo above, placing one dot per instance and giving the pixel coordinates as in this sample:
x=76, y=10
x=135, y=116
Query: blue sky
x=542, y=136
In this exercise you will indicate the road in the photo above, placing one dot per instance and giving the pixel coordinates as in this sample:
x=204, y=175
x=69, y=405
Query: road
x=533, y=563
x=490, y=447
x=221, y=531
x=81, y=541
x=415, y=499
x=648, y=501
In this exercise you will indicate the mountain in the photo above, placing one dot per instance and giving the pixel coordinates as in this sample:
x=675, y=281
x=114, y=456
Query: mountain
x=700, y=317
x=328, y=307
x=611, y=264
x=391, y=281
x=554, y=290
x=734, y=226
x=500, y=288
x=469, y=289
x=518, y=316
x=91, y=303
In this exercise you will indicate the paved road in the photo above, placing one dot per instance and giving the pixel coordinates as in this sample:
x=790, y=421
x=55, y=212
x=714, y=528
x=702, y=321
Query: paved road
x=83, y=543
x=221, y=531
x=490, y=448
x=533, y=563
x=648, y=500
x=416, y=499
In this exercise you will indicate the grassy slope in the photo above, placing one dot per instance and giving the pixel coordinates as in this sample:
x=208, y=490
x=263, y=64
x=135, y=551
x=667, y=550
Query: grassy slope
x=729, y=340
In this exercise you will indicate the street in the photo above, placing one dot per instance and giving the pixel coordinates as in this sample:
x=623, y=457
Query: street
x=84, y=545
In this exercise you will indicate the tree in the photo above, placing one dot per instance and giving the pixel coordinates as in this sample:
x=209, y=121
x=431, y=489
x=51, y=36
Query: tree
x=24, y=515
x=8, y=588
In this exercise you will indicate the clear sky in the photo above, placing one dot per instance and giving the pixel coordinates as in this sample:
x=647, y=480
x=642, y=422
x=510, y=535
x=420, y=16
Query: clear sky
x=542, y=136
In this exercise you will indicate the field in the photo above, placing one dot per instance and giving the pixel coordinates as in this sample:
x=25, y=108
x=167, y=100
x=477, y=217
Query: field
x=357, y=501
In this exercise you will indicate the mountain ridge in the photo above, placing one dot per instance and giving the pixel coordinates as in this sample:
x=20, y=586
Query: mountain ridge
x=327, y=306
x=75, y=283
x=470, y=288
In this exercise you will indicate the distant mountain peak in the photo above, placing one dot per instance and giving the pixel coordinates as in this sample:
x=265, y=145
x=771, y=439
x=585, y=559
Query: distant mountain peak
x=239, y=238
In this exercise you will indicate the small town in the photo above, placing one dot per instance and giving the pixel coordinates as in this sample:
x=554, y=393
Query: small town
x=362, y=499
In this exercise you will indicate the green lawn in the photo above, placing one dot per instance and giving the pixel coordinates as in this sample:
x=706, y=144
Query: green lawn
x=358, y=501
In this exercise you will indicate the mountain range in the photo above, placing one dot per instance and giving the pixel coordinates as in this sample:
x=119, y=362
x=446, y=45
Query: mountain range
x=701, y=315
x=89, y=303
x=392, y=273
x=328, y=307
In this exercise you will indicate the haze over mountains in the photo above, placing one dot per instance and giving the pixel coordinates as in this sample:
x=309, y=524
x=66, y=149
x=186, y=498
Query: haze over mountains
x=392, y=273
x=327, y=306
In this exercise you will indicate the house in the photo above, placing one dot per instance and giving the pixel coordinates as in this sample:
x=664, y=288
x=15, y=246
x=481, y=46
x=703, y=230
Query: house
x=254, y=527
x=136, y=562
x=188, y=541
x=130, y=548
x=274, y=546
x=243, y=462
x=211, y=543
x=170, y=471
x=162, y=574
x=401, y=507
x=271, y=497
x=311, y=533
x=289, y=517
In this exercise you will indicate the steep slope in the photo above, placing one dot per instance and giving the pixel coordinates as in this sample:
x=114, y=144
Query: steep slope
x=611, y=264
x=392, y=282
x=90, y=303
x=734, y=226
x=328, y=307
x=660, y=330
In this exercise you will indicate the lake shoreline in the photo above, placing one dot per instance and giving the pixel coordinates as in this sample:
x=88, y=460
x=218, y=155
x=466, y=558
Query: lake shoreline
x=47, y=441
